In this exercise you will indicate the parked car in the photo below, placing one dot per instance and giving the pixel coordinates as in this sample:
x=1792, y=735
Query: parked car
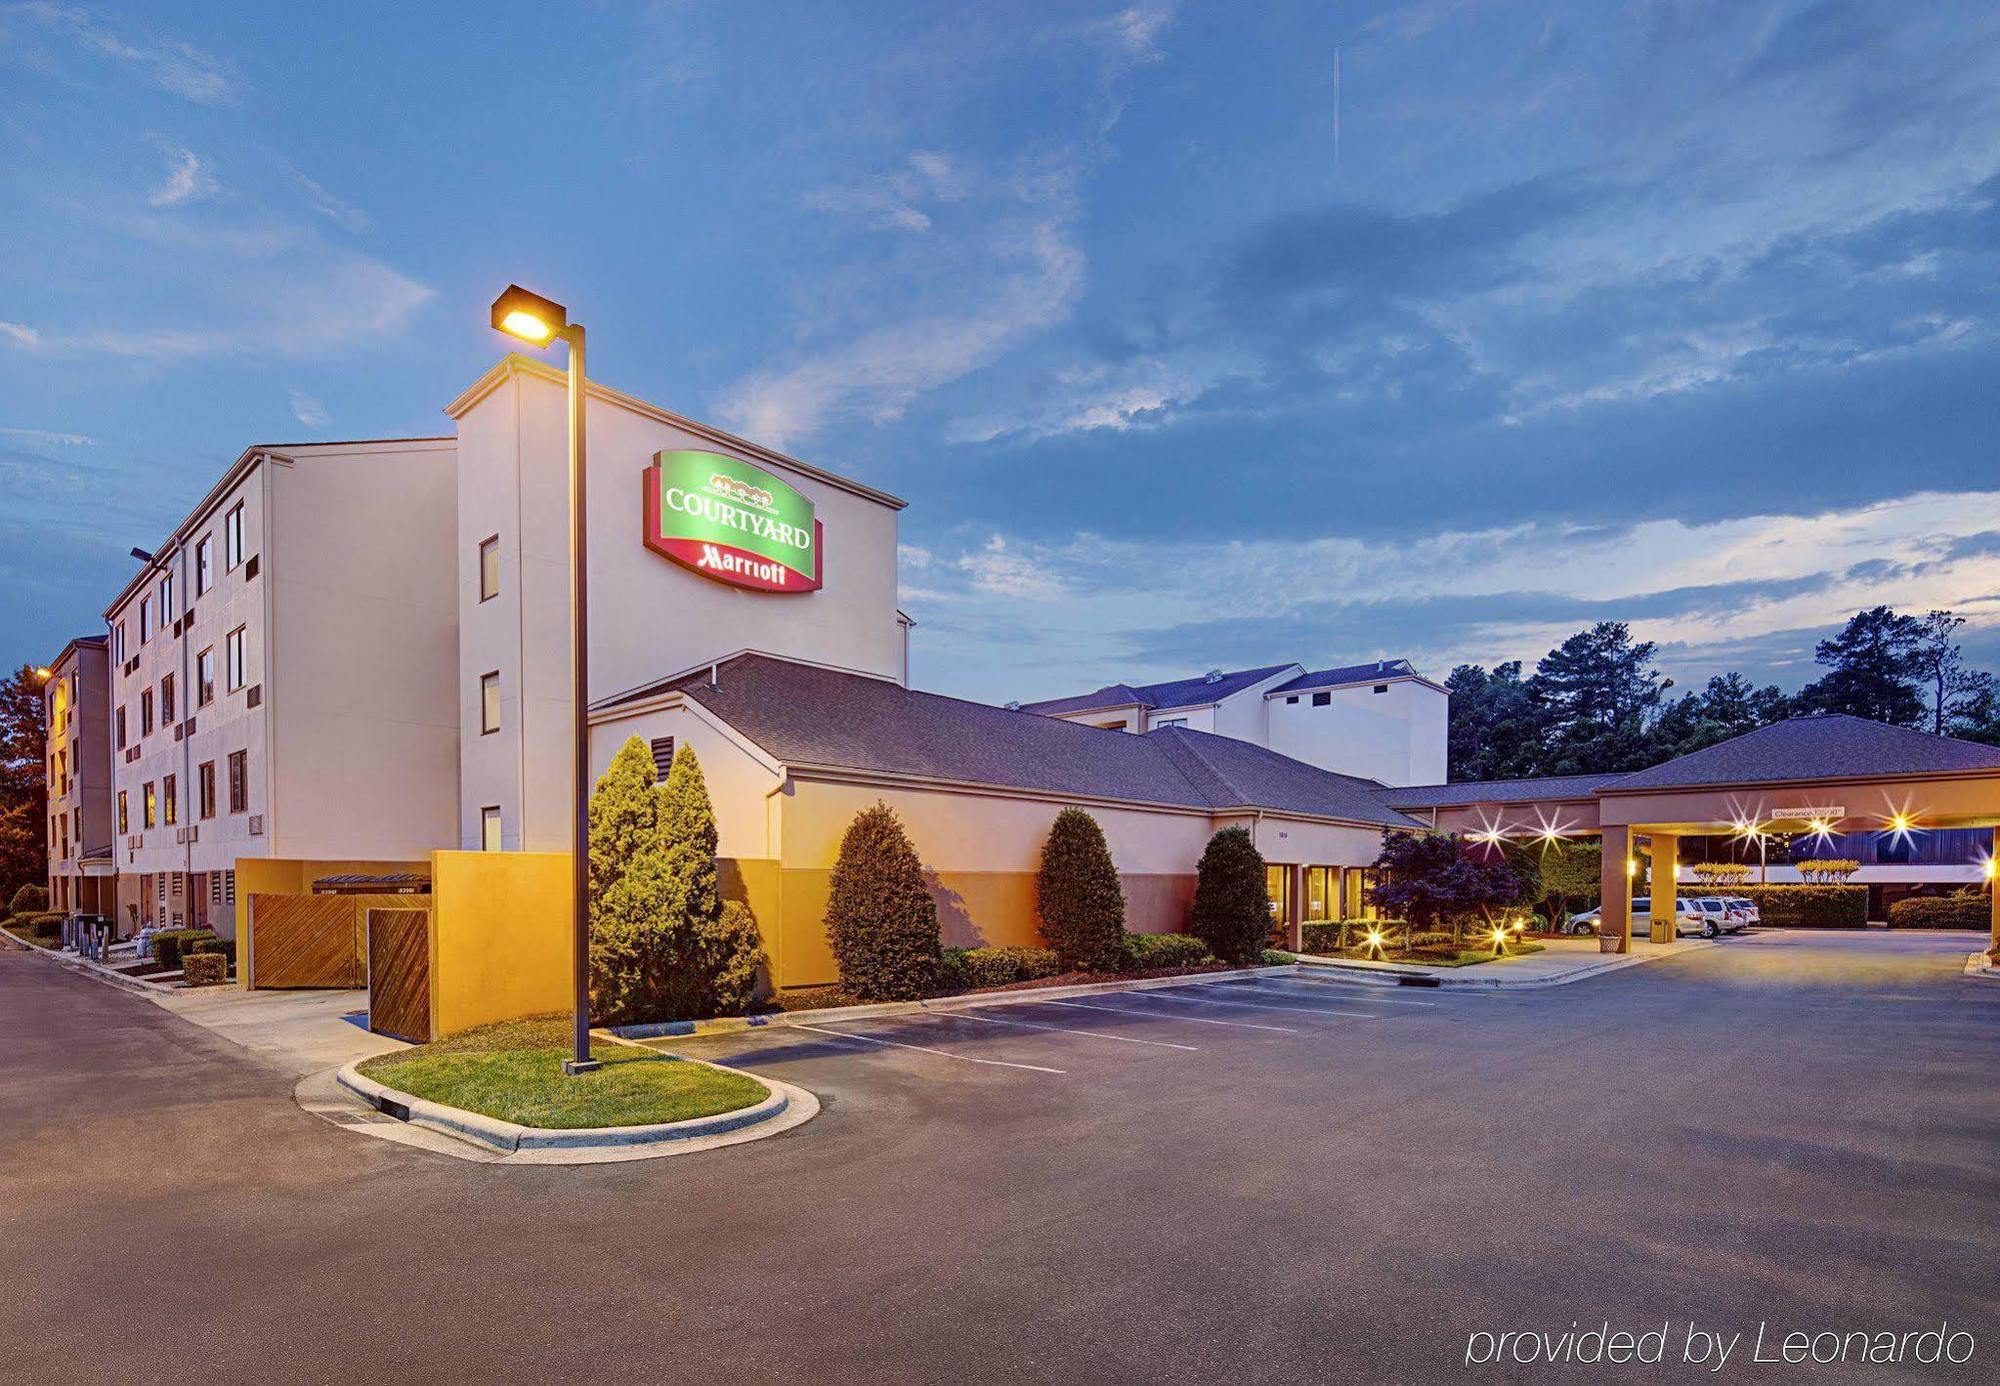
x=1688, y=918
x=1751, y=914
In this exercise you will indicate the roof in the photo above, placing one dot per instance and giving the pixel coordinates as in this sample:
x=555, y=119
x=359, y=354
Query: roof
x=1529, y=791
x=1194, y=692
x=81, y=642
x=1823, y=746
x=1350, y=673
x=808, y=716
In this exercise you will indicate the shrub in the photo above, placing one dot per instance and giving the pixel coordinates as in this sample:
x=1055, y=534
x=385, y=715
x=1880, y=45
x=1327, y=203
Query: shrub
x=1323, y=935
x=1972, y=911
x=1232, y=907
x=1078, y=897
x=206, y=969
x=880, y=918
x=44, y=929
x=1274, y=957
x=973, y=968
x=172, y=948
x=1165, y=950
x=1825, y=870
x=1807, y=906
x=30, y=899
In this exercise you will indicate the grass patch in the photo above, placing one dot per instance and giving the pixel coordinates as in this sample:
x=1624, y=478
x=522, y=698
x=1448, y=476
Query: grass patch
x=1468, y=956
x=513, y=1072
x=1438, y=954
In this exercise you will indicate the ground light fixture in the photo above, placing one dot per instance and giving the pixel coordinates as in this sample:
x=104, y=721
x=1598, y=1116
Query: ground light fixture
x=538, y=321
x=1499, y=938
x=1374, y=939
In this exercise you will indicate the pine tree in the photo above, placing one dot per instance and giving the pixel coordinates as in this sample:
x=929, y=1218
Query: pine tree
x=717, y=953
x=630, y=886
x=1079, y=897
x=1232, y=903
x=880, y=917
x=24, y=790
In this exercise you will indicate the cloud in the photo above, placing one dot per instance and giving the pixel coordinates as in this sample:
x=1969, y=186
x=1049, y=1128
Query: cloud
x=1116, y=397
x=20, y=334
x=188, y=180
x=170, y=64
x=45, y=435
x=327, y=205
x=309, y=411
x=889, y=201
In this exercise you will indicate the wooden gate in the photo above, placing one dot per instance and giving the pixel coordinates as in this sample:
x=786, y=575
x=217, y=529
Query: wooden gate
x=305, y=941
x=399, y=974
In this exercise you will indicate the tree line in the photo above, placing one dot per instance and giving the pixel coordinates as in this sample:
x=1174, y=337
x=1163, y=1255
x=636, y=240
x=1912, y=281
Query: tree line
x=1598, y=703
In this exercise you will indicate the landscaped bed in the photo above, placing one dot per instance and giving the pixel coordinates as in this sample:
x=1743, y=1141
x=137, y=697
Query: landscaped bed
x=513, y=1072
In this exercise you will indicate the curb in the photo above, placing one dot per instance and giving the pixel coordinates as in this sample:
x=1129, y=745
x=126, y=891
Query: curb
x=1979, y=965
x=85, y=967
x=509, y=1138
x=730, y=1025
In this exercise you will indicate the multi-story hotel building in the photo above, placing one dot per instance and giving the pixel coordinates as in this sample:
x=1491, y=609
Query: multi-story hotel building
x=79, y=775
x=283, y=676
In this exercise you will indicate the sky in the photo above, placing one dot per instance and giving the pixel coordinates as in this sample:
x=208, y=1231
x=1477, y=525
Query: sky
x=1196, y=334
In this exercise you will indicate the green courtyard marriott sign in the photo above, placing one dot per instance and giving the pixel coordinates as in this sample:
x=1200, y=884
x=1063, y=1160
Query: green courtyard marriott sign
x=731, y=521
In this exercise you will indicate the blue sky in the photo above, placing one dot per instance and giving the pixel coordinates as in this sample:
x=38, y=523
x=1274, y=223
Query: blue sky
x=1680, y=314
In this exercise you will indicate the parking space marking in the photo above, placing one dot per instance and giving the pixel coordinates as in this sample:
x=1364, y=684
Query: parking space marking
x=925, y=1049
x=1356, y=989
x=1160, y=1015
x=1165, y=994
x=1065, y=1030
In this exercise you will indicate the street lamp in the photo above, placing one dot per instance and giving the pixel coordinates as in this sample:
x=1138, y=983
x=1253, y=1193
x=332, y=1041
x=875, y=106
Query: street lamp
x=43, y=673
x=539, y=321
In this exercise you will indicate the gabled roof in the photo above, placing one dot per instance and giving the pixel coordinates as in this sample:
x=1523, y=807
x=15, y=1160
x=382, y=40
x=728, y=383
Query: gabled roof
x=1823, y=746
x=1529, y=791
x=808, y=716
x=1194, y=692
x=1350, y=673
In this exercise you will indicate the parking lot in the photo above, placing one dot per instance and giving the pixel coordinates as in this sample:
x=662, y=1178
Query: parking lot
x=1266, y=1180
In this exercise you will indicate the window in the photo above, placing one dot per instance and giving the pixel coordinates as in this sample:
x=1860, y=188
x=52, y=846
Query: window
x=489, y=568
x=167, y=700
x=118, y=642
x=145, y=619
x=146, y=712
x=120, y=719
x=166, y=598
x=205, y=788
x=169, y=801
x=149, y=805
x=1380, y=688
x=1171, y=722
x=1278, y=884
x=204, y=564
x=489, y=703
x=204, y=677
x=1293, y=698
x=489, y=828
x=239, y=775
x=124, y=817
x=1322, y=699
x=232, y=658
x=232, y=537
x=663, y=757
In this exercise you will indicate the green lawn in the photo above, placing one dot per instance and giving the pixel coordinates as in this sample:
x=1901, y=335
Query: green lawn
x=1468, y=956
x=514, y=1072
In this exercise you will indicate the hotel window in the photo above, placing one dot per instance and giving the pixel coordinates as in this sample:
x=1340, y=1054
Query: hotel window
x=1380, y=688
x=149, y=805
x=121, y=728
x=166, y=598
x=1278, y=884
x=167, y=700
x=1293, y=698
x=204, y=564
x=204, y=677
x=1171, y=722
x=232, y=537
x=489, y=568
x=145, y=619
x=146, y=712
x=118, y=642
x=205, y=788
x=124, y=817
x=489, y=828
x=169, y=801
x=232, y=658
x=239, y=775
x=1322, y=699
x=489, y=703
x=1322, y=892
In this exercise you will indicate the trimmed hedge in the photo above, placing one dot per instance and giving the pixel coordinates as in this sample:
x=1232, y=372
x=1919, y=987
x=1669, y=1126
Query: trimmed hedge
x=1146, y=951
x=206, y=969
x=1332, y=935
x=1942, y=912
x=172, y=947
x=1274, y=957
x=29, y=899
x=880, y=918
x=42, y=928
x=1802, y=906
x=996, y=967
x=1232, y=907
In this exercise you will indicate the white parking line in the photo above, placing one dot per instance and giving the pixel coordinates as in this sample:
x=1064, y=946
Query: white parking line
x=1157, y=1015
x=1162, y=994
x=922, y=1049
x=1064, y=1030
x=1355, y=990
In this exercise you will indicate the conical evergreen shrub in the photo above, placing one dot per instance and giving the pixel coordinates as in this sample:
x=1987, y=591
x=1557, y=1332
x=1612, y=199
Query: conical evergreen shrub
x=880, y=918
x=1232, y=904
x=1078, y=896
x=717, y=952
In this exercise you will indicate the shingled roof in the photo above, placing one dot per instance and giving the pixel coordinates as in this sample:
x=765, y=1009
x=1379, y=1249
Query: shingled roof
x=805, y=715
x=1194, y=692
x=1348, y=674
x=1529, y=791
x=1823, y=746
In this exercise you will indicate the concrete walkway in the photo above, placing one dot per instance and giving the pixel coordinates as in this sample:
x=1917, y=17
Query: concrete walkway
x=299, y=1031
x=1562, y=960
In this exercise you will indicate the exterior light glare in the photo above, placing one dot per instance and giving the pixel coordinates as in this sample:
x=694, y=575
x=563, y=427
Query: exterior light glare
x=1374, y=938
x=529, y=317
x=44, y=673
x=527, y=327
x=1990, y=868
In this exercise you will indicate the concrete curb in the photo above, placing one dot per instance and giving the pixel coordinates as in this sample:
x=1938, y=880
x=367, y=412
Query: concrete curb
x=1979, y=965
x=508, y=1138
x=1444, y=978
x=730, y=1025
x=85, y=967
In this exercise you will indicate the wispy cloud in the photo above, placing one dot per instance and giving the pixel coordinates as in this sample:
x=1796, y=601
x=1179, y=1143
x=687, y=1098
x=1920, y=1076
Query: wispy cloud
x=170, y=64
x=188, y=180
x=49, y=435
x=20, y=334
x=309, y=411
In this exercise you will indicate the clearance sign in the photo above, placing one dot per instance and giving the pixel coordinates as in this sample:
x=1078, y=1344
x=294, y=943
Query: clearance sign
x=731, y=521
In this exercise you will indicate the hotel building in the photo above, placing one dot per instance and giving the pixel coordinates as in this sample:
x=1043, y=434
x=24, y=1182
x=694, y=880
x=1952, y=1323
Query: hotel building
x=78, y=766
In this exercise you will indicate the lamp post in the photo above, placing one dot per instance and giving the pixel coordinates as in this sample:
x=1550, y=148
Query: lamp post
x=539, y=321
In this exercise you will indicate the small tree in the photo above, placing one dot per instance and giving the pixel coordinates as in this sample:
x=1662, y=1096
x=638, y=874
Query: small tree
x=1571, y=878
x=630, y=950
x=715, y=949
x=29, y=899
x=1078, y=895
x=1232, y=903
x=1430, y=880
x=880, y=917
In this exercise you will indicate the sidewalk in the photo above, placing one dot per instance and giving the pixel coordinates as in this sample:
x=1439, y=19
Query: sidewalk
x=1561, y=961
x=299, y=1031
